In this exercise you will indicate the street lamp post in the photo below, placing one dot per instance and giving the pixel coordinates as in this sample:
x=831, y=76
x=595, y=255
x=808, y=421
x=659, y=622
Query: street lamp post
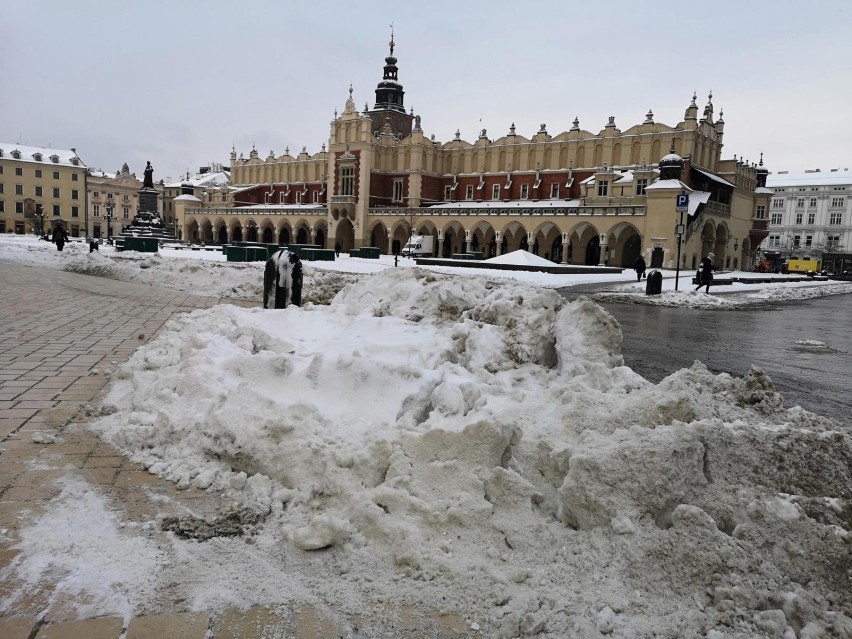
x=108, y=217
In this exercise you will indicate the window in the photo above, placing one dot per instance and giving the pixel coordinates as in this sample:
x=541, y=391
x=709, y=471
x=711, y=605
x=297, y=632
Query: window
x=96, y=210
x=125, y=198
x=761, y=212
x=55, y=192
x=1, y=168
x=56, y=175
x=126, y=212
x=96, y=194
x=39, y=191
x=797, y=240
x=809, y=240
x=813, y=202
x=38, y=173
x=397, y=190
x=554, y=190
x=603, y=188
x=525, y=191
x=75, y=194
x=16, y=155
x=1, y=187
x=777, y=204
x=19, y=207
x=468, y=193
x=800, y=203
x=835, y=219
x=19, y=170
x=495, y=192
x=298, y=197
x=811, y=218
x=798, y=218
x=74, y=177
x=641, y=185
x=2, y=206
x=837, y=202
x=776, y=218
x=75, y=211
x=316, y=197
x=56, y=211
x=448, y=192
x=347, y=181
x=19, y=189
x=833, y=241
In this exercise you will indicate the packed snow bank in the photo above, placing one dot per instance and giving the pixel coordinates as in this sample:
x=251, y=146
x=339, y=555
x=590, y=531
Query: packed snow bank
x=481, y=447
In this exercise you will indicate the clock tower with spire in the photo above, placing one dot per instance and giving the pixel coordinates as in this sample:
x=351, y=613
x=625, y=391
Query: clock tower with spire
x=388, y=114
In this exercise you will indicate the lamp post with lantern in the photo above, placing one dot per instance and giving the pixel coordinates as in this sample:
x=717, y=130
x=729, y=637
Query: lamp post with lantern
x=109, y=217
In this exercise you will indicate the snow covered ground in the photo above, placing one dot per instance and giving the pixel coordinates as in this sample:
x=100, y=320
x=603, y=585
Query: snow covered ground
x=462, y=442
x=205, y=272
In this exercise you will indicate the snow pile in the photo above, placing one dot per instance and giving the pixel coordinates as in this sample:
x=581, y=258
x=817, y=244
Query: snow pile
x=519, y=257
x=458, y=440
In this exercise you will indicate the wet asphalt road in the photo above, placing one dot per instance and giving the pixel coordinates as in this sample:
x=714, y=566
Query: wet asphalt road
x=659, y=341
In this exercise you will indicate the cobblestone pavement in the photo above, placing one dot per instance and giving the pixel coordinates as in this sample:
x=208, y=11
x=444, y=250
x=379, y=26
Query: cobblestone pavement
x=59, y=333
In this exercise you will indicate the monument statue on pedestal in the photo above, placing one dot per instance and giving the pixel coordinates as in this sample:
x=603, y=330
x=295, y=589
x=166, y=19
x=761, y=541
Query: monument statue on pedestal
x=148, y=181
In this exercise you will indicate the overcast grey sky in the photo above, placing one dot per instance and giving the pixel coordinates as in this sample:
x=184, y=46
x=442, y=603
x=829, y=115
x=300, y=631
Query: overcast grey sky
x=179, y=82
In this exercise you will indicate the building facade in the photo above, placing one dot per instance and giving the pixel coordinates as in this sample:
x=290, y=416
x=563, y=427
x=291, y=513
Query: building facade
x=576, y=197
x=113, y=201
x=810, y=215
x=41, y=188
x=210, y=185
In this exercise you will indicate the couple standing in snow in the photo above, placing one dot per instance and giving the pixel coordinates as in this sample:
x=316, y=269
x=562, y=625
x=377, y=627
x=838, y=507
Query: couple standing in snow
x=282, y=280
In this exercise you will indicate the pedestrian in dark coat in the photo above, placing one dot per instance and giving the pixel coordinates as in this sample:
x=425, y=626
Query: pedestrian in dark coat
x=640, y=267
x=282, y=280
x=337, y=249
x=60, y=236
x=705, y=273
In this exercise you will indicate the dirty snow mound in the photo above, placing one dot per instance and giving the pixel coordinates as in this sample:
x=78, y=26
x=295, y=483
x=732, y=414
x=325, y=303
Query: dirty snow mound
x=482, y=443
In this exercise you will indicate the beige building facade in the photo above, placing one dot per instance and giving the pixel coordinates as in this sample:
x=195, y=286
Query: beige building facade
x=576, y=197
x=113, y=201
x=41, y=188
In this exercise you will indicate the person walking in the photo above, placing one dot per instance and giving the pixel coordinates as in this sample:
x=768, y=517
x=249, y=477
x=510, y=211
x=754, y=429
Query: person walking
x=337, y=249
x=640, y=266
x=60, y=236
x=705, y=273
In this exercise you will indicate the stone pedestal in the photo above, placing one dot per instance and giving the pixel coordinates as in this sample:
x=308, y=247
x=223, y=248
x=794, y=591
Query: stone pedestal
x=148, y=199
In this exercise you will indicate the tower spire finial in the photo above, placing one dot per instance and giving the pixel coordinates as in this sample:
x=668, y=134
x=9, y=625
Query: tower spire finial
x=391, y=40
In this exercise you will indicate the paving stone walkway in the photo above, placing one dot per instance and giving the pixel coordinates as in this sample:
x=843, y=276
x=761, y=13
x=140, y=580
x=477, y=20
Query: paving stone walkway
x=60, y=333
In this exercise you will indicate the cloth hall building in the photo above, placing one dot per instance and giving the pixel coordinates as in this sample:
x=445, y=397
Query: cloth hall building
x=575, y=197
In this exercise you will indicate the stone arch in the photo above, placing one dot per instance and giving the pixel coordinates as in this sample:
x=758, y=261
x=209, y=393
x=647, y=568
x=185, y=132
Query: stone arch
x=707, y=240
x=616, y=155
x=453, y=239
x=192, y=230
x=321, y=234
x=720, y=246
x=581, y=157
x=206, y=231
x=220, y=231
x=236, y=230
x=483, y=238
x=584, y=245
x=545, y=238
x=514, y=238
x=635, y=152
x=285, y=234
x=598, y=159
x=344, y=235
x=625, y=244
x=378, y=235
x=251, y=230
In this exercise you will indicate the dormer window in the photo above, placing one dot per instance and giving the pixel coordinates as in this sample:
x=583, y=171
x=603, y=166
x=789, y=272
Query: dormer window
x=75, y=161
x=469, y=192
x=54, y=159
x=37, y=157
x=16, y=155
x=525, y=191
x=554, y=190
x=495, y=192
x=603, y=188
